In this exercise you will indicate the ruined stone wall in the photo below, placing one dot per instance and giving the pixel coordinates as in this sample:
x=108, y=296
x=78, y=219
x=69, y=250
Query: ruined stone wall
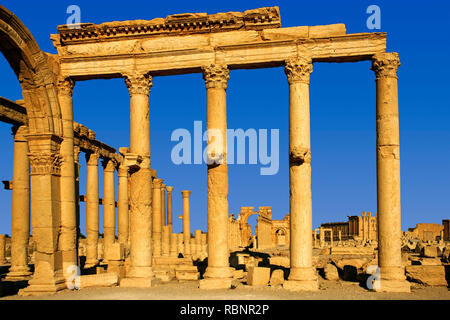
x=426, y=231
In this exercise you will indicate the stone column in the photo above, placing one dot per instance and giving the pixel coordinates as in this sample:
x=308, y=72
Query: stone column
x=302, y=274
x=122, y=205
x=218, y=273
x=92, y=209
x=45, y=165
x=68, y=242
x=3, y=249
x=163, y=205
x=165, y=247
x=20, y=220
x=180, y=247
x=76, y=157
x=204, y=243
x=140, y=272
x=198, y=241
x=169, y=208
x=173, y=244
x=385, y=66
x=331, y=238
x=109, y=203
x=186, y=223
x=156, y=218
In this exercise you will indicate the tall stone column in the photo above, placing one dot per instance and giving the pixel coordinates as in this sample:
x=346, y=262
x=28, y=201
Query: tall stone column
x=169, y=208
x=122, y=206
x=173, y=244
x=218, y=273
x=385, y=66
x=45, y=165
x=186, y=223
x=20, y=220
x=92, y=209
x=76, y=157
x=198, y=241
x=302, y=274
x=109, y=203
x=157, y=225
x=68, y=242
x=140, y=272
x=165, y=246
x=163, y=205
x=180, y=247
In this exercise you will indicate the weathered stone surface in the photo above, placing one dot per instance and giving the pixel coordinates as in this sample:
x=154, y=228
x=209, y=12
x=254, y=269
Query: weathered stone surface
x=238, y=274
x=428, y=275
x=215, y=284
x=277, y=278
x=285, y=33
x=258, y=276
x=430, y=262
x=429, y=252
x=99, y=280
x=280, y=261
x=331, y=272
x=331, y=30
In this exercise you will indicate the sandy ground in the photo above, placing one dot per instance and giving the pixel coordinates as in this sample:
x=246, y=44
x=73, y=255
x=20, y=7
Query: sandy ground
x=330, y=290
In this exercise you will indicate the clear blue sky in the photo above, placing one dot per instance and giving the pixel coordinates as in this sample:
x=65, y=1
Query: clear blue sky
x=342, y=110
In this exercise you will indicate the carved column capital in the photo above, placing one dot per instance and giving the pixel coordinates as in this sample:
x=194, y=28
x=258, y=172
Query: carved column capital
x=65, y=86
x=138, y=83
x=92, y=158
x=43, y=163
x=169, y=189
x=157, y=183
x=76, y=153
x=186, y=193
x=108, y=165
x=298, y=69
x=216, y=76
x=19, y=133
x=385, y=65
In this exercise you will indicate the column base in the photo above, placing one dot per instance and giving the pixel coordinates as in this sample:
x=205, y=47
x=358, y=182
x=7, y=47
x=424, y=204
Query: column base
x=303, y=285
x=218, y=273
x=211, y=284
x=39, y=287
x=18, y=274
x=393, y=286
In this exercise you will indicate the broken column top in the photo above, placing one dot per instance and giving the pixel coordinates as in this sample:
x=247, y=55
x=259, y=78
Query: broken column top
x=177, y=24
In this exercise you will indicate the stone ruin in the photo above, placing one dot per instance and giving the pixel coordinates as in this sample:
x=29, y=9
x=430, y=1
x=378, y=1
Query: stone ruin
x=47, y=145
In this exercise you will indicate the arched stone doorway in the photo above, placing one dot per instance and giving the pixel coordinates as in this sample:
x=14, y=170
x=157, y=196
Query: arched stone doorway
x=37, y=73
x=280, y=237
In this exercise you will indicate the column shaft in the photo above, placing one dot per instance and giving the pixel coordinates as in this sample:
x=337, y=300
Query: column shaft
x=157, y=225
x=169, y=208
x=186, y=223
x=122, y=206
x=302, y=274
x=109, y=204
x=68, y=241
x=20, y=220
x=385, y=66
x=92, y=210
x=140, y=181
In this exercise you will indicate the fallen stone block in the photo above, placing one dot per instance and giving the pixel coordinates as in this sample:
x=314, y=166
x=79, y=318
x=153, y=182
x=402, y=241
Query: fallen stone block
x=280, y=261
x=99, y=280
x=429, y=252
x=238, y=274
x=277, y=278
x=331, y=272
x=428, y=275
x=258, y=276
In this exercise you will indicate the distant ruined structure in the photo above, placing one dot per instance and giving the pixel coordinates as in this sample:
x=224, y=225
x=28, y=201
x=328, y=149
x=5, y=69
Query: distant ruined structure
x=362, y=228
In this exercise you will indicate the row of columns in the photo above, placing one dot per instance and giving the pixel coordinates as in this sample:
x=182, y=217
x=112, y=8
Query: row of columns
x=142, y=193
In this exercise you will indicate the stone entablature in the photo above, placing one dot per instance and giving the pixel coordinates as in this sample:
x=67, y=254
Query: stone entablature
x=173, y=25
x=12, y=112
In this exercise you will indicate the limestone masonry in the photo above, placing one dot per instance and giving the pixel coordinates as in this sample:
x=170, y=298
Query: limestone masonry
x=47, y=146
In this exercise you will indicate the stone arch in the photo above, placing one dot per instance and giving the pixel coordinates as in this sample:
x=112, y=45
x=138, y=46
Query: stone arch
x=36, y=71
x=280, y=236
x=246, y=213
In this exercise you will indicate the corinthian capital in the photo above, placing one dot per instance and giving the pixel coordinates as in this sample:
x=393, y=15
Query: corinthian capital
x=216, y=76
x=385, y=65
x=298, y=69
x=138, y=83
x=65, y=86
x=45, y=163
